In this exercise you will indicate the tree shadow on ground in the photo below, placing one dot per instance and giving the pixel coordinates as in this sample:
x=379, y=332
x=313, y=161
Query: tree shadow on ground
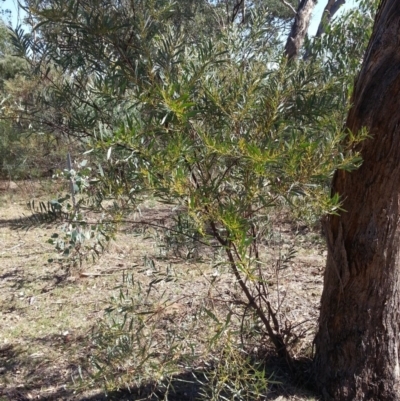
x=16, y=224
x=17, y=279
x=32, y=220
x=25, y=376
x=185, y=387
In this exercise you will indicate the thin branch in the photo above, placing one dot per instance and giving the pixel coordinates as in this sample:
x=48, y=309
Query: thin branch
x=236, y=9
x=289, y=5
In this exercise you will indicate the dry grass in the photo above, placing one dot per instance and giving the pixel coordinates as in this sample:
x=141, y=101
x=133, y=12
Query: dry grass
x=46, y=316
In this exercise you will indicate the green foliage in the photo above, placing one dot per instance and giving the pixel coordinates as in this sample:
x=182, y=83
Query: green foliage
x=24, y=152
x=234, y=376
x=225, y=128
x=341, y=49
x=10, y=65
x=136, y=341
x=182, y=239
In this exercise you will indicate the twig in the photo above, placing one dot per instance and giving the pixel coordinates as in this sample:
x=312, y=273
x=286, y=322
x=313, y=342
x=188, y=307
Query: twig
x=289, y=5
x=106, y=272
x=16, y=246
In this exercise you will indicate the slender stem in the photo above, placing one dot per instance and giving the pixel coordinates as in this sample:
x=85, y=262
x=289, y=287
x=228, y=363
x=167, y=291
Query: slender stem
x=276, y=338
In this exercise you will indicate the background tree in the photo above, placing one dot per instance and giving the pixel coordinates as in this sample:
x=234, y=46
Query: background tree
x=331, y=8
x=357, y=346
x=299, y=28
x=27, y=148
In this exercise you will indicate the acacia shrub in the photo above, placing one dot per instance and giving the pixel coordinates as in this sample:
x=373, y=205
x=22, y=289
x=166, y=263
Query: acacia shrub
x=224, y=128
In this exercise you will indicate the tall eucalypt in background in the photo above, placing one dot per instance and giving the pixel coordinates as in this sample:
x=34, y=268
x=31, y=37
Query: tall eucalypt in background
x=219, y=123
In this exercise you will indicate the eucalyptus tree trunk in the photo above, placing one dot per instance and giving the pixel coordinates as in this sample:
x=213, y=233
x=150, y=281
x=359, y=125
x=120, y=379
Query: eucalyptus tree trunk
x=357, y=345
x=331, y=8
x=299, y=28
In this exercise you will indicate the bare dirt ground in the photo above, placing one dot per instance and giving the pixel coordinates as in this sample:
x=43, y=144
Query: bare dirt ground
x=46, y=315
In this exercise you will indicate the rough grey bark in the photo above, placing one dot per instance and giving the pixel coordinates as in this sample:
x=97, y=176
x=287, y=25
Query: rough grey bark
x=330, y=10
x=299, y=28
x=357, y=345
